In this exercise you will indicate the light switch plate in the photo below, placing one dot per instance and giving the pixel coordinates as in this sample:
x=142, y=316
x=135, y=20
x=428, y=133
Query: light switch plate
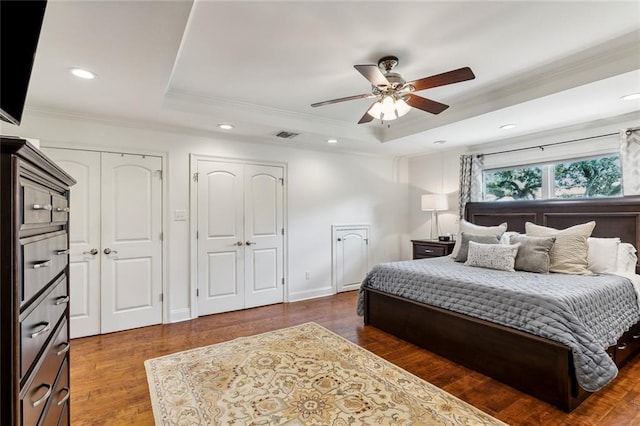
x=180, y=215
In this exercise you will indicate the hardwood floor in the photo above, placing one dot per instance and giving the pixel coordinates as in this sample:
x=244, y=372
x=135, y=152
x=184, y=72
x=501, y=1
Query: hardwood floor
x=109, y=385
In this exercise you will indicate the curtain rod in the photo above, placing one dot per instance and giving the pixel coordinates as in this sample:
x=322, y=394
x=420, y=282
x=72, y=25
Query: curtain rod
x=542, y=147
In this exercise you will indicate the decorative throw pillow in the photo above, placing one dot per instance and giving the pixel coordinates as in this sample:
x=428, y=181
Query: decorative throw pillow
x=492, y=256
x=627, y=259
x=569, y=252
x=466, y=238
x=470, y=228
x=602, y=257
x=533, y=255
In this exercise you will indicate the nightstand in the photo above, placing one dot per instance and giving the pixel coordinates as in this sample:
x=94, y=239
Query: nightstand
x=423, y=249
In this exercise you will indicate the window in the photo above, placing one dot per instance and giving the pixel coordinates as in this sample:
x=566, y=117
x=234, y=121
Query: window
x=593, y=177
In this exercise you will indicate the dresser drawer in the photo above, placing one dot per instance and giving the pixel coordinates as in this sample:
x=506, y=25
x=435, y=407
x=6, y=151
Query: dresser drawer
x=36, y=328
x=41, y=389
x=59, y=397
x=36, y=205
x=60, y=208
x=42, y=259
x=420, y=250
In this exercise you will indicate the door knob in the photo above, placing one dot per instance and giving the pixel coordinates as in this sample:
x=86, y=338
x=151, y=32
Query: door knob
x=250, y=243
x=92, y=252
x=109, y=251
x=239, y=243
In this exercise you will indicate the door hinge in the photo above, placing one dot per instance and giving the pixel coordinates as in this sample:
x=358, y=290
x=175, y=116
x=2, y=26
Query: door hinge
x=197, y=235
x=282, y=181
x=282, y=280
x=161, y=297
x=197, y=292
x=159, y=173
x=161, y=236
x=195, y=176
x=282, y=231
x=366, y=240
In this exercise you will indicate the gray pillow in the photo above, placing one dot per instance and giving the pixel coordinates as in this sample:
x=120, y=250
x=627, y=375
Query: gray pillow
x=492, y=256
x=533, y=254
x=464, y=244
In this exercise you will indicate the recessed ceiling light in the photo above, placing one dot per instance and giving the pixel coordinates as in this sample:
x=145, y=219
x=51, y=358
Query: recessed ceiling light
x=440, y=142
x=631, y=97
x=79, y=72
x=225, y=126
x=332, y=140
x=507, y=126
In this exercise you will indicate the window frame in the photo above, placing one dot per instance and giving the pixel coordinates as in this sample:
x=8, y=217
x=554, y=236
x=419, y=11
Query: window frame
x=548, y=175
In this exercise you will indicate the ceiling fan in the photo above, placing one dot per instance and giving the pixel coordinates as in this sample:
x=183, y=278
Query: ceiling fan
x=394, y=96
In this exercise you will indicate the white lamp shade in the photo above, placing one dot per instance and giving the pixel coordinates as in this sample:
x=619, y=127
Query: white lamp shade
x=434, y=202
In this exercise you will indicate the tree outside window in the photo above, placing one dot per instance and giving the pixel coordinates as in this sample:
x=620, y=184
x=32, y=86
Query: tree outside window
x=599, y=177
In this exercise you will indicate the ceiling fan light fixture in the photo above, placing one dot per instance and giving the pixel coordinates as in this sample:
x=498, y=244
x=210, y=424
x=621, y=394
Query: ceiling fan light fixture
x=389, y=108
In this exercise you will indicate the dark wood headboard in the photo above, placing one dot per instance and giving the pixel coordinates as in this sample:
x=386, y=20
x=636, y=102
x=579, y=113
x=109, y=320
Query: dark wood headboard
x=615, y=217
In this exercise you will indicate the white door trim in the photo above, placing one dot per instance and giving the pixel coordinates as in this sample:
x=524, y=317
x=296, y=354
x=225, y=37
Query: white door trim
x=193, y=220
x=166, y=301
x=334, y=249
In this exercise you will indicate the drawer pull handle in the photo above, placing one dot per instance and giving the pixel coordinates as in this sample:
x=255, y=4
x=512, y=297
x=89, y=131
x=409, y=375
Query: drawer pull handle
x=42, y=207
x=61, y=252
x=66, y=397
x=635, y=336
x=64, y=350
x=62, y=209
x=622, y=347
x=44, y=329
x=44, y=397
x=61, y=300
x=44, y=264
x=428, y=251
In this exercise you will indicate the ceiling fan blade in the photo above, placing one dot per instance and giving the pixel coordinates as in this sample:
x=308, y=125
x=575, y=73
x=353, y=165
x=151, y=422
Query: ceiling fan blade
x=366, y=118
x=373, y=74
x=450, y=77
x=426, y=104
x=348, y=98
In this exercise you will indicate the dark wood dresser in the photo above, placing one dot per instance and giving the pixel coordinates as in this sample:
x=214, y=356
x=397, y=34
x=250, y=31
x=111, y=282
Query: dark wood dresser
x=34, y=287
x=423, y=249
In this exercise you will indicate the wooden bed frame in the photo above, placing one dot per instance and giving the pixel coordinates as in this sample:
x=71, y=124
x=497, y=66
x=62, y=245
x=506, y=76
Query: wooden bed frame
x=534, y=365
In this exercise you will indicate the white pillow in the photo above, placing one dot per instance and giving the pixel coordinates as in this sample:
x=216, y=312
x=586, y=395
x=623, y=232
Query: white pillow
x=506, y=237
x=569, y=252
x=602, y=257
x=627, y=259
x=470, y=228
x=492, y=256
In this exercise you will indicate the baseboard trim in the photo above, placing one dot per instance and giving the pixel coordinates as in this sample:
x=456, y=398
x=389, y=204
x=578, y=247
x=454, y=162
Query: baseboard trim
x=310, y=294
x=179, y=315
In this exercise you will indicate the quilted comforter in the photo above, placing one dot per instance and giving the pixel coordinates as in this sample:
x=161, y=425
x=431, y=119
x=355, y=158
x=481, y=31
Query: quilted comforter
x=586, y=313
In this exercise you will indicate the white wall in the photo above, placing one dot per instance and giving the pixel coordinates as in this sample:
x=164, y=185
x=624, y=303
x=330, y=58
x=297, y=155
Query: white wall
x=323, y=188
x=439, y=172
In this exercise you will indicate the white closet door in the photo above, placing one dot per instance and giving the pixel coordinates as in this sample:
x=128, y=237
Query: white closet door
x=84, y=236
x=352, y=257
x=131, y=241
x=220, y=237
x=264, y=224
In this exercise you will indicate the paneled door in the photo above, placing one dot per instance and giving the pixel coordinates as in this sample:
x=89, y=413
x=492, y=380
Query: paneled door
x=131, y=241
x=351, y=256
x=240, y=228
x=84, y=238
x=116, y=246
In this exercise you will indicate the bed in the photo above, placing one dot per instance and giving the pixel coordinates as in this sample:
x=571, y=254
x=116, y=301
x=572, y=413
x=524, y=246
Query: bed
x=539, y=366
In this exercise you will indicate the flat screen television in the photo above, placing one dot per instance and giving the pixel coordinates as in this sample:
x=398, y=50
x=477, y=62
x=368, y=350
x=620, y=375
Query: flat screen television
x=20, y=24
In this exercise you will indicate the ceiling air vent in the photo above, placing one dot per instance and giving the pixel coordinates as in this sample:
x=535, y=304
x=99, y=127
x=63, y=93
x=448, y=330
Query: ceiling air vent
x=286, y=135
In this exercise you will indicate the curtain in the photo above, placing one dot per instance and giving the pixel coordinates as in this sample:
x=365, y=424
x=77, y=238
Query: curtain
x=470, y=180
x=630, y=161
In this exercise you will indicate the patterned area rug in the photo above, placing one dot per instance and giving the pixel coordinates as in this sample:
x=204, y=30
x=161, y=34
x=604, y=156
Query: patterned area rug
x=303, y=375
